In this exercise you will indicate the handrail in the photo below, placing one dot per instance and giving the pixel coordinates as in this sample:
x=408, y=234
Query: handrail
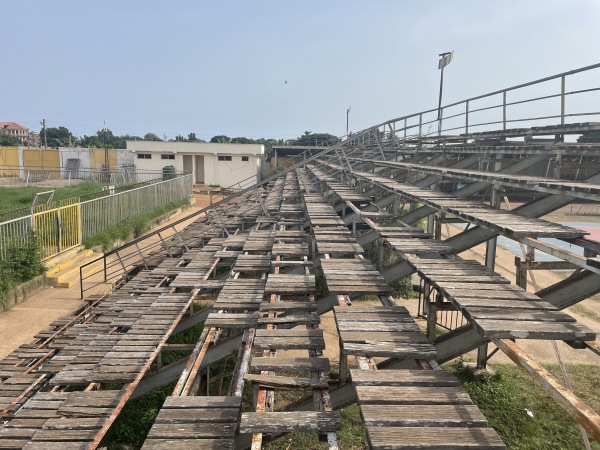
x=500, y=91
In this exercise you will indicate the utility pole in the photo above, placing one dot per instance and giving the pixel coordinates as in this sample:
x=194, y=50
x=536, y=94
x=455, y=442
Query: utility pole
x=43, y=123
x=348, y=119
x=106, y=161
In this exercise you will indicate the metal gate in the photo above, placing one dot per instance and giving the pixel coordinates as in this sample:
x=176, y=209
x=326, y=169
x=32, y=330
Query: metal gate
x=58, y=229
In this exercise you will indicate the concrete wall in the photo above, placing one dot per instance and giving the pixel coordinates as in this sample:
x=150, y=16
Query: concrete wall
x=38, y=157
x=206, y=165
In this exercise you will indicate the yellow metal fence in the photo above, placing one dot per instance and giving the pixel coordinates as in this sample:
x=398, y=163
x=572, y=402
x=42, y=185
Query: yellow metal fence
x=58, y=229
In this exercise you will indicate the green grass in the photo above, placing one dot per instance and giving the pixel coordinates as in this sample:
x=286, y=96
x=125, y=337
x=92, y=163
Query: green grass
x=505, y=398
x=12, y=198
x=131, y=227
x=351, y=437
x=135, y=420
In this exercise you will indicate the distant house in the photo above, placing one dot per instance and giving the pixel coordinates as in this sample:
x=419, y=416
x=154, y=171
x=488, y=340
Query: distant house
x=16, y=130
x=34, y=139
x=223, y=165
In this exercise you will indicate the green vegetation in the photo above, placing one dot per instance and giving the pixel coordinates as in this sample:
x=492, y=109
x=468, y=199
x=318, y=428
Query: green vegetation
x=351, y=437
x=400, y=288
x=589, y=137
x=132, y=227
x=506, y=397
x=16, y=198
x=22, y=262
x=9, y=141
x=135, y=420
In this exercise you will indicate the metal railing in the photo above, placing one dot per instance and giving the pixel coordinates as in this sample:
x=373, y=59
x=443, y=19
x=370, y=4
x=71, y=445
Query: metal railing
x=61, y=176
x=67, y=225
x=101, y=213
x=495, y=109
x=103, y=191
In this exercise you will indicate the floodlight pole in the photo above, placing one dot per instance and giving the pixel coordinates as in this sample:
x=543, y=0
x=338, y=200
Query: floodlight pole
x=347, y=119
x=442, y=63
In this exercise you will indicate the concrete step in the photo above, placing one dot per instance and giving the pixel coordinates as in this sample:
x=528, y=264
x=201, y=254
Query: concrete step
x=68, y=276
x=66, y=260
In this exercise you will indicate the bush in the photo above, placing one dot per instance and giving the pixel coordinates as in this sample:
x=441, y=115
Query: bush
x=22, y=262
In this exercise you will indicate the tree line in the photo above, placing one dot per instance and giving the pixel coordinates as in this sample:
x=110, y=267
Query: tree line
x=54, y=137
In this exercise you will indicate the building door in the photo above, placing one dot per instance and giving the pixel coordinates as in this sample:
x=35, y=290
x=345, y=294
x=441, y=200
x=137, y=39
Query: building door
x=199, y=169
x=188, y=163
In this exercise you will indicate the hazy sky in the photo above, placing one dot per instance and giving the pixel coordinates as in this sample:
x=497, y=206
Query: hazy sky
x=219, y=67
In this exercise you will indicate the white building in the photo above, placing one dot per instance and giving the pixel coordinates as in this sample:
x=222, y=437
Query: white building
x=223, y=165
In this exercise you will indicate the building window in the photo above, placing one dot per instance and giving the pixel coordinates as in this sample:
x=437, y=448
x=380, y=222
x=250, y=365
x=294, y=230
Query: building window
x=167, y=156
x=224, y=158
x=144, y=155
x=245, y=158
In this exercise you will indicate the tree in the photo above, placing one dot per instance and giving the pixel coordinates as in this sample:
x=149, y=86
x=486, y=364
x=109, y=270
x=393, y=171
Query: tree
x=58, y=137
x=242, y=140
x=317, y=139
x=8, y=140
x=151, y=137
x=106, y=138
x=220, y=139
x=192, y=137
x=589, y=137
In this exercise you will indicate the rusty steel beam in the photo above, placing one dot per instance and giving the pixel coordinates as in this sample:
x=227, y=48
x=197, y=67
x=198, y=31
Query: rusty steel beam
x=566, y=399
x=129, y=388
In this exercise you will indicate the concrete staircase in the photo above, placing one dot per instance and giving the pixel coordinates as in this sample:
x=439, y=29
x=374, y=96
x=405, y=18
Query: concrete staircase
x=63, y=271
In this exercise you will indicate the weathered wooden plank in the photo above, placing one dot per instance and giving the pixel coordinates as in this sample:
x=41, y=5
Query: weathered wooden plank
x=201, y=402
x=73, y=424
x=290, y=364
x=289, y=343
x=402, y=349
x=378, y=326
x=192, y=415
x=188, y=444
x=402, y=378
x=285, y=422
x=289, y=306
x=477, y=313
x=511, y=329
x=286, y=382
x=65, y=435
x=47, y=445
x=404, y=438
x=411, y=395
x=192, y=430
x=430, y=416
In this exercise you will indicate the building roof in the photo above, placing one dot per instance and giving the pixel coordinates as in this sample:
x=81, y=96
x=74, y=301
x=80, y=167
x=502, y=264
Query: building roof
x=195, y=147
x=12, y=126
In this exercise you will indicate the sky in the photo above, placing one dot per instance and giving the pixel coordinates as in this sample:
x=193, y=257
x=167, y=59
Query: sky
x=221, y=67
